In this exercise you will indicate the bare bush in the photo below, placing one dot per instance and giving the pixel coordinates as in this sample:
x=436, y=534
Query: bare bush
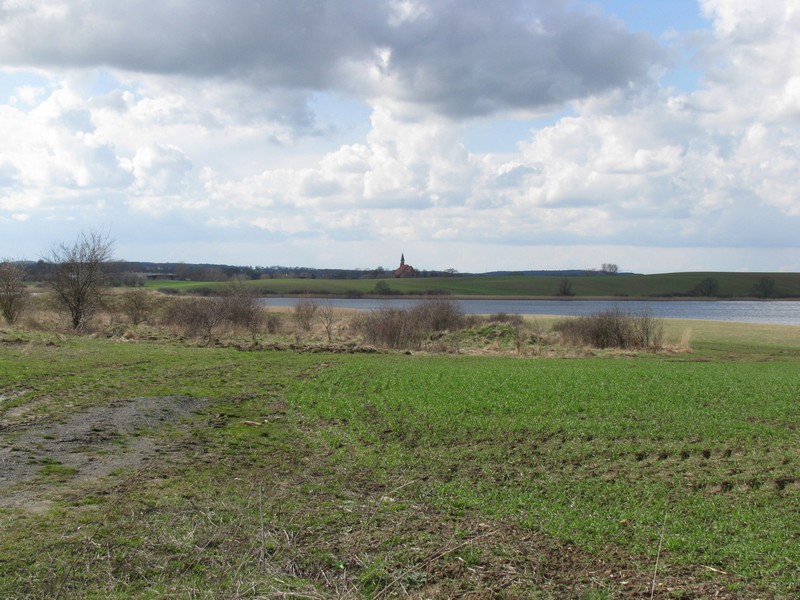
x=389, y=327
x=613, y=328
x=329, y=315
x=273, y=323
x=238, y=307
x=242, y=308
x=408, y=328
x=648, y=331
x=196, y=317
x=136, y=304
x=304, y=312
x=13, y=294
x=438, y=314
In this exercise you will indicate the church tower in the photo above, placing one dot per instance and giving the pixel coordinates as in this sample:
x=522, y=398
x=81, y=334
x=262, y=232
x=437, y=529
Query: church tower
x=404, y=270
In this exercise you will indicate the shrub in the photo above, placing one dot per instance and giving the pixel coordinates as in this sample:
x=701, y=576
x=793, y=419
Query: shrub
x=565, y=288
x=136, y=304
x=238, y=307
x=273, y=323
x=329, y=315
x=764, y=288
x=438, y=314
x=382, y=289
x=648, y=332
x=304, y=312
x=708, y=287
x=389, y=327
x=407, y=328
x=196, y=316
x=241, y=307
x=13, y=295
x=613, y=328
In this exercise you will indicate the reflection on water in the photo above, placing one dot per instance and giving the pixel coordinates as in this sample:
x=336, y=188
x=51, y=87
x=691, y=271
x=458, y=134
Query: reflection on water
x=744, y=311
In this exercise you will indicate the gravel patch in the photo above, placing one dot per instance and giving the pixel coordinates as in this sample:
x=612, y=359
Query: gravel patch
x=93, y=443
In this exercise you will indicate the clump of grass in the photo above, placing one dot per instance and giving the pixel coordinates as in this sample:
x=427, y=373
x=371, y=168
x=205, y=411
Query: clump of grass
x=55, y=469
x=501, y=317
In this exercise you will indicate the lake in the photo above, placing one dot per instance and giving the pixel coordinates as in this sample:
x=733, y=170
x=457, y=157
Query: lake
x=743, y=311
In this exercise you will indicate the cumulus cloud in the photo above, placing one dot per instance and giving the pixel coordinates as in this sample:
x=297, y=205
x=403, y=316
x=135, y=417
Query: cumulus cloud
x=192, y=120
x=453, y=56
x=469, y=58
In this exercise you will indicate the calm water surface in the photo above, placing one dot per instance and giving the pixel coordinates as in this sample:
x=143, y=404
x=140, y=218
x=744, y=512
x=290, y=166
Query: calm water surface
x=744, y=311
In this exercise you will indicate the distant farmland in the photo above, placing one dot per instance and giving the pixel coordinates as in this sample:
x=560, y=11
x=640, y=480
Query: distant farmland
x=666, y=285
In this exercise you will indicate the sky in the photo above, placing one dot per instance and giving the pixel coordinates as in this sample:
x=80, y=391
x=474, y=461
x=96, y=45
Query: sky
x=476, y=135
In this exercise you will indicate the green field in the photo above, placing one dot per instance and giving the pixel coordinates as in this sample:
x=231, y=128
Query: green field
x=662, y=285
x=392, y=475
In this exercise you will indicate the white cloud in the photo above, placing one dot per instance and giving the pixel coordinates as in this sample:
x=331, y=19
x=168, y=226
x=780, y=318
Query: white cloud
x=198, y=123
x=161, y=169
x=450, y=55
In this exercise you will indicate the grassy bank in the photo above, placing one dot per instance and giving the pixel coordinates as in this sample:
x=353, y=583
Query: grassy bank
x=321, y=475
x=654, y=286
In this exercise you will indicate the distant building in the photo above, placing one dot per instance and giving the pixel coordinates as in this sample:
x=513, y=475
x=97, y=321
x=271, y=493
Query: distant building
x=404, y=270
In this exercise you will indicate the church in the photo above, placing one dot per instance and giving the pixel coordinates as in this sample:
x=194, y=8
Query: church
x=404, y=270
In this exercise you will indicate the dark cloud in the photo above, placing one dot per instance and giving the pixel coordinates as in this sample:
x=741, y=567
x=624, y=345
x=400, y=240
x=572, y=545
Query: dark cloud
x=461, y=57
x=293, y=43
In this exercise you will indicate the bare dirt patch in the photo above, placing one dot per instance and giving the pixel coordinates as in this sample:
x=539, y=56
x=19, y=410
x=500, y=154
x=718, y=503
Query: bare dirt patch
x=88, y=444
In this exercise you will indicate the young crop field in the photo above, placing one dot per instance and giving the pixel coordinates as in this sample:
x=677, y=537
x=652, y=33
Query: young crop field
x=162, y=469
x=591, y=285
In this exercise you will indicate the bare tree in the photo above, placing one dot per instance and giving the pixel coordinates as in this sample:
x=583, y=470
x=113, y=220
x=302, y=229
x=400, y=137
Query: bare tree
x=610, y=268
x=79, y=274
x=13, y=295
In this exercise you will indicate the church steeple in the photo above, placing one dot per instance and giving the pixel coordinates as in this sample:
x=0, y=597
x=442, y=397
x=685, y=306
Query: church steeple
x=404, y=270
